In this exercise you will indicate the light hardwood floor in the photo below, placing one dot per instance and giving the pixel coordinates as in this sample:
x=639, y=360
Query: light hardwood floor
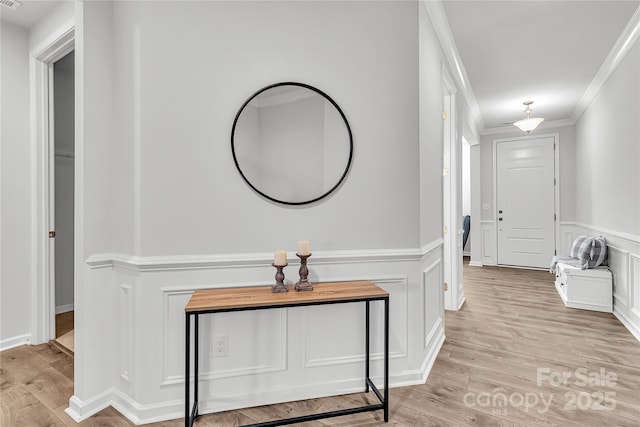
x=512, y=336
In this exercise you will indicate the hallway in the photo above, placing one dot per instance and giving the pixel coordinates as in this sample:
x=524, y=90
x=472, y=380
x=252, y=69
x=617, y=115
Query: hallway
x=512, y=338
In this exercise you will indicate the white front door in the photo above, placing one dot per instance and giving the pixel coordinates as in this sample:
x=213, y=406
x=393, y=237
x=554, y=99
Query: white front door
x=526, y=202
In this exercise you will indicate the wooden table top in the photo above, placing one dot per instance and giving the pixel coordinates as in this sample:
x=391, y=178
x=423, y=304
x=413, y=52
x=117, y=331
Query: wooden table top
x=261, y=296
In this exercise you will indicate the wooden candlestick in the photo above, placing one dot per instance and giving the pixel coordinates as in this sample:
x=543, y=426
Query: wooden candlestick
x=279, y=286
x=303, y=284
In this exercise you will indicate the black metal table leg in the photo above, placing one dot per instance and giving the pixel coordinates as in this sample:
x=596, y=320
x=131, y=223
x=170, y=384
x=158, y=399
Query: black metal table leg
x=366, y=357
x=196, y=354
x=386, y=360
x=187, y=358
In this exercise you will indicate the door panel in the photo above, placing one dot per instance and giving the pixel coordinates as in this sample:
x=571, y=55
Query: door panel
x=526, y=202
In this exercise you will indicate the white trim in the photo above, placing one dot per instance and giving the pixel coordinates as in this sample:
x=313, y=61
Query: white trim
x=13, y=342
x=628, y=323
x=475, y=264
x=41, y=58
x=80, y=410
x=440, y=25
x=629, y=238
x=556, y=188
x=429, y=247
x=126, y=332
x=434, y=341
x=199, y=262
x=626, y=40
x=451, y=189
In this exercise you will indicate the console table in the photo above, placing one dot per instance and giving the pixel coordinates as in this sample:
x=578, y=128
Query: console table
x=261, y=298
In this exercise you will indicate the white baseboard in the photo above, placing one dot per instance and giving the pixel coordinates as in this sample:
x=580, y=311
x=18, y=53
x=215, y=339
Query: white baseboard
x=475, y=264
x=64, y=308
x=461, y=301
x=80, y=410
x=435, y=340
x=139, y=414
x=630, y=325
x=17, y=341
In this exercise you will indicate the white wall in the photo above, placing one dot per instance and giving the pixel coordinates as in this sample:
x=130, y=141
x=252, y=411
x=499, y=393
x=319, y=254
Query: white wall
x=466, y=178
x=607, y=180
x=215, y=79
x=607, y=153
x=19, y=173
x=15, y=167
x=164, y=211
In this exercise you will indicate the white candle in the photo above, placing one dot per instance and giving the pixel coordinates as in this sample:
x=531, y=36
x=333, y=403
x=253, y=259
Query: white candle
x=303, y=247
x=280, y=258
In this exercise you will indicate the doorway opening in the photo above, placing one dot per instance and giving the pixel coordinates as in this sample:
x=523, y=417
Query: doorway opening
x=62, y=215
x=452, y=199
x=47, y=141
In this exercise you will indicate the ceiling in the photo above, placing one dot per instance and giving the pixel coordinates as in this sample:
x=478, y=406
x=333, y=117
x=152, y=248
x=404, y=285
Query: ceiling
x=512, y=50
x=29, y=13
x=543, y=51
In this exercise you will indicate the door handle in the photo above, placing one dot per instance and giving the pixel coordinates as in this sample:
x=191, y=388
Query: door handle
x=500, y=219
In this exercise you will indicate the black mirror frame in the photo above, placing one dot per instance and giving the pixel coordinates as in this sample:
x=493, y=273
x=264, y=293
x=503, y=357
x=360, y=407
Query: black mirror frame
x=266, y=196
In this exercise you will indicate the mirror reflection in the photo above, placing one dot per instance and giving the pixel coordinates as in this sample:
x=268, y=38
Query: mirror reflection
x=292, y=143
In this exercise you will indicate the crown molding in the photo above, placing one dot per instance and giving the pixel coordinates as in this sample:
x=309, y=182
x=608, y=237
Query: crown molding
x=627, y=38
x=440, y=23
x=512, y=129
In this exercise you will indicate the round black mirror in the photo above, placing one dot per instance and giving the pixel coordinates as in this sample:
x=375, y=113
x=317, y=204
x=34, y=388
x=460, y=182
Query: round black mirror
x=292, y=143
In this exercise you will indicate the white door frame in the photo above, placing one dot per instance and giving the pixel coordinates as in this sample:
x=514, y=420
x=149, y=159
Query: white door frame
x=556, y=188
x=452, y=216
x=41, y=60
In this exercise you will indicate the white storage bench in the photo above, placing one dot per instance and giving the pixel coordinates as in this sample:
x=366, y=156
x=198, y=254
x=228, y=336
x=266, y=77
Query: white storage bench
x=589, y=289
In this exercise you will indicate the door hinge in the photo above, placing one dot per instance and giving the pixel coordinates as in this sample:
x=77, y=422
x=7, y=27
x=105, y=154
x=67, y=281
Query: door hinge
x=444, y=115
x=554, y=181
x=445, y=229
x=52, y=234
x=555, y=217
x=446, y=286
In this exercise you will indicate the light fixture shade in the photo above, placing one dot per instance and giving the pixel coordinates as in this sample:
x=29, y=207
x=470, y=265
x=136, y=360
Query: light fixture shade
x=528, y=124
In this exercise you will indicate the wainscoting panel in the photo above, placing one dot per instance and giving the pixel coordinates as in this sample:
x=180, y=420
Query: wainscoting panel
x=345, y=323
x=431, y=276
x=634, y=280
x=489, y=250
x=273, y=355
x=624, y=263
x=245, y=331
x=126, y=332
x=619, y=265
x=567, y=242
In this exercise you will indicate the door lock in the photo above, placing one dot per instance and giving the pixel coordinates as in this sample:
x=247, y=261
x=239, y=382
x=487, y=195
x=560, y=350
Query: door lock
x=52, y=234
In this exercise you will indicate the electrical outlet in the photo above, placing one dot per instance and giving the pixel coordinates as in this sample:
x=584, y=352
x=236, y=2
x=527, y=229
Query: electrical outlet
x=220, y=346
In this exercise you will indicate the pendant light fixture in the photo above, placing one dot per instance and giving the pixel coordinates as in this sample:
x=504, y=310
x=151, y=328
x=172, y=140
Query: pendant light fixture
x=530, y=123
